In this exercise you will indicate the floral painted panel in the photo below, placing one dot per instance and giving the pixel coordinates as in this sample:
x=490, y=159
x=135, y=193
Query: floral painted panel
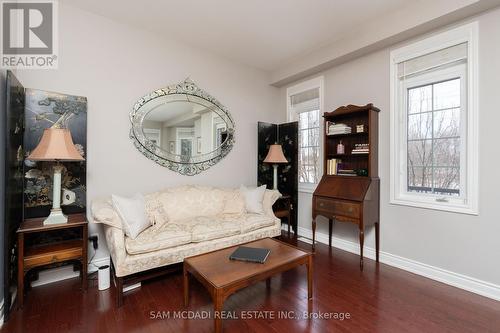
x=44, y=110
x=287, y=135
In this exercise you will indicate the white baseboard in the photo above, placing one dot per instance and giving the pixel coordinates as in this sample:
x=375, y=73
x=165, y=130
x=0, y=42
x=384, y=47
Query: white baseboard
x=468, y=283
x=55, y=274
x=66, y=272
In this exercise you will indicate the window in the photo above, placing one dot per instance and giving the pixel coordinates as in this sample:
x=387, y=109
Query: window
x=304, y=104
x=434, y=122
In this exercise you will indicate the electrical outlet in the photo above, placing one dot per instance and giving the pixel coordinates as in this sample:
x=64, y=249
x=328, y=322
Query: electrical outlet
x=94, y=239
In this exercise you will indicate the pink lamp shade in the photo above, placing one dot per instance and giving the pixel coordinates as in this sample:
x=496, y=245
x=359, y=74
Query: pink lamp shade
x=275, y=155
x=56, y=145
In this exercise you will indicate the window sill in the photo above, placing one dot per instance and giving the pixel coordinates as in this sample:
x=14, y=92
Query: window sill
x=448, y=207
x=307, y=188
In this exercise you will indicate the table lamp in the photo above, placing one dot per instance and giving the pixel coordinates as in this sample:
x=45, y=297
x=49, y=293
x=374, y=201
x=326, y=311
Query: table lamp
x=275, y=156
x=56, y=145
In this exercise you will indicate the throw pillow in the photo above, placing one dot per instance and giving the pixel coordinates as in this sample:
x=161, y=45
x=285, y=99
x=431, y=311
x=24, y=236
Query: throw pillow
x=133, y=214
x=253, y=198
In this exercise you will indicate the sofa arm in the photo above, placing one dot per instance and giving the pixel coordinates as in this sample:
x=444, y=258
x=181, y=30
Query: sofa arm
x=270, y=197
x=115, y=240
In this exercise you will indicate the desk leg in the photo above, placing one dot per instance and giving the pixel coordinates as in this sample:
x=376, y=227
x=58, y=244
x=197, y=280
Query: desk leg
x=330, y=230
x=314, y=233
x=377, y=239
x=361, y=243
x=20, y=270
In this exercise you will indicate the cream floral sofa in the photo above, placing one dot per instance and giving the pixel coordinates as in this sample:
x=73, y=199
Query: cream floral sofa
x=185, y=221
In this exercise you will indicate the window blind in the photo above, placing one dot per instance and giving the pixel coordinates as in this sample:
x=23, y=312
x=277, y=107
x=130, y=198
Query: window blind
x=428, y=62
x=305, y=101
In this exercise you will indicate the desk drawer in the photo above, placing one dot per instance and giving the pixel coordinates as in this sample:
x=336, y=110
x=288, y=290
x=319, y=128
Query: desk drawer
x=51, y=258
x=338, y=207
x=52, y=253
x=346, y=219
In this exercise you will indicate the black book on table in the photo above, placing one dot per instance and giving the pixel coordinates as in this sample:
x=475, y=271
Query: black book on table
x=251, y=254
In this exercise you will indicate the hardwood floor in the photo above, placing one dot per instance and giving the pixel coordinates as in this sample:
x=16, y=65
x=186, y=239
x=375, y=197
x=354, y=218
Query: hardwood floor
x=379, y=299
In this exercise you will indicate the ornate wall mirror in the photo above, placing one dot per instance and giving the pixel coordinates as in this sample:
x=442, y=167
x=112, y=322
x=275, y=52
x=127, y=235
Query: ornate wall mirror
x=182, y=128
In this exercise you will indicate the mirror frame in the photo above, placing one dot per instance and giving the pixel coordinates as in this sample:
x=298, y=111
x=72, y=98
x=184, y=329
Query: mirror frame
x=184, y=91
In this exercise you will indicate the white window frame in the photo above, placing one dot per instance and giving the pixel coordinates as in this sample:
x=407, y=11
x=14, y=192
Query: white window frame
x=317, y=82
x=155, y=132
x=469, y=173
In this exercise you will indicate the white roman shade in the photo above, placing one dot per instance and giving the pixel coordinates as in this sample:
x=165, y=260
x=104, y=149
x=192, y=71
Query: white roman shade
x=446, y=57
x=305, y=101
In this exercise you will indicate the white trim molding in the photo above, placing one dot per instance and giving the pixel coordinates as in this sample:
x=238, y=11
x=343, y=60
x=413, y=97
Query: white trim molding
x=319, y=83
x=457, y=280
x=469, y=182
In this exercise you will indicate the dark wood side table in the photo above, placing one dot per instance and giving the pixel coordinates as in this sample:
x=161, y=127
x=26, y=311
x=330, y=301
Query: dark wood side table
x=283, y=208
x=34, y=256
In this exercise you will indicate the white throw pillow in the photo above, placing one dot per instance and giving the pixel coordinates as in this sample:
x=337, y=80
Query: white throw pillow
x=253, y=198
x=133, y=214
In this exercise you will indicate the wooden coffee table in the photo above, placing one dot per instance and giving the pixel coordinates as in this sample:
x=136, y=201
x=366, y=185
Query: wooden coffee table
x=222, y=276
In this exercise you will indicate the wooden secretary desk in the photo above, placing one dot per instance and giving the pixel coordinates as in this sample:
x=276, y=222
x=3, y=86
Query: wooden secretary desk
x=349, y=190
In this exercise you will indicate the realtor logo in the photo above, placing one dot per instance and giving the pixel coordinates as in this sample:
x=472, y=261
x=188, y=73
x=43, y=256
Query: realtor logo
x=29, y=34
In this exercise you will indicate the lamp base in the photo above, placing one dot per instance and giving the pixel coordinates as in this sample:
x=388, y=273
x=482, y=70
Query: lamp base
x=56, y=217
x=275, y=177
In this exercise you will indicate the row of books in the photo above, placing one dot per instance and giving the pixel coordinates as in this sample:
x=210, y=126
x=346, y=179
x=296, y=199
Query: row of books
x=334, y=167
x=333, y=129
x=361, y=148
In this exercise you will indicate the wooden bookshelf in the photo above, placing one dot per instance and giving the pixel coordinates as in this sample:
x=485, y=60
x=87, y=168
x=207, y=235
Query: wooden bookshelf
x=352, y=116
x=348, y=198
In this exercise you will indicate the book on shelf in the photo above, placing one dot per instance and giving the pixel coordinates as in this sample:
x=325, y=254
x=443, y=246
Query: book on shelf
x=334, y=129
x=332, y=166
x=346, y=173
x=361, y=148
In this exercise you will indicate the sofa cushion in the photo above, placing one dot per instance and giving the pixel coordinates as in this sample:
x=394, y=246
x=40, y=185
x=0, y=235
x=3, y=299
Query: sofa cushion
x=234, y=202
x=154, y=239
x=191, y=201
x=154, y=210
x=206, y=228
x=251, y=222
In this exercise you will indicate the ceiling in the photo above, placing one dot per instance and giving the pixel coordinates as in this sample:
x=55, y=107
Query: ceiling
x=259, y=33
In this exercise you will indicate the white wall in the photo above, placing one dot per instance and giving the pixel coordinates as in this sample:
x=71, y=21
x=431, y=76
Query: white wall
x=459, y=243
x=113, y=65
